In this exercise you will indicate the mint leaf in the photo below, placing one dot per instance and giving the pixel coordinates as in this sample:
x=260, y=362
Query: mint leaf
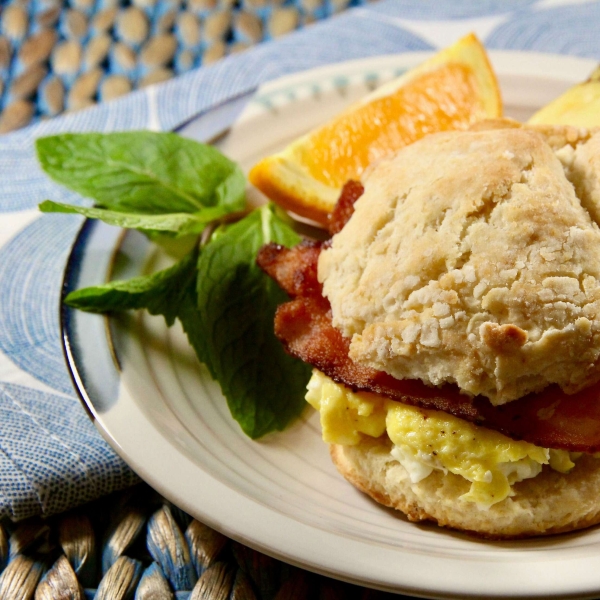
x=143, y=172
x=169, y=292
x=264, y=386
x=179, y=223
x=226, y=305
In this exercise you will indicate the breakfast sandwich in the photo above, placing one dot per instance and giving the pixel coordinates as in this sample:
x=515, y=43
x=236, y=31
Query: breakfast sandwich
x=453, y=323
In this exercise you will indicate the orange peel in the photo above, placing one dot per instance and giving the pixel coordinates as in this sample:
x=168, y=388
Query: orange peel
x=451, y=90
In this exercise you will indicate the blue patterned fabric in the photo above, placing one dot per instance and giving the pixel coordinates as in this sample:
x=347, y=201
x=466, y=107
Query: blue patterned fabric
x=51, y=457
x=70, y=54
x=560, y=30
x=29, y=262
x=436, y=10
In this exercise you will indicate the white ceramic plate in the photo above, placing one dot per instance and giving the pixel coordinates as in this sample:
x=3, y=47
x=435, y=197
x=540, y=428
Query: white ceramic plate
x=162, y=413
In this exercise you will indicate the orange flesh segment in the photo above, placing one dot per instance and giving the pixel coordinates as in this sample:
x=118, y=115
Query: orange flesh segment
x=440, y=100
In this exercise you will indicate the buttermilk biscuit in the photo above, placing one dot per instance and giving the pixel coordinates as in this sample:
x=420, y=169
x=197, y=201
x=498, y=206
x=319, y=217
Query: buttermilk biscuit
x=549, y=503
x=474, y=258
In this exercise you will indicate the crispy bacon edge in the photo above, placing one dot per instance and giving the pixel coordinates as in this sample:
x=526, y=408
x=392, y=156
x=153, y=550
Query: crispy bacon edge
x=550, y=419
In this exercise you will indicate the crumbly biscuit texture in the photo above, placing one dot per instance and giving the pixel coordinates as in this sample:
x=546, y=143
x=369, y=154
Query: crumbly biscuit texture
x=547, y=504
x=474, y=258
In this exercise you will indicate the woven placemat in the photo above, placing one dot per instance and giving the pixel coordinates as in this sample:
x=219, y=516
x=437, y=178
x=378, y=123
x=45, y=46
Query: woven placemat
x=59, y=55
x=138, y=545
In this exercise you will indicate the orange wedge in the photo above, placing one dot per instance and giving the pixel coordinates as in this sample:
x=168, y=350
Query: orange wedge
x=578, y=106
x=451, y=90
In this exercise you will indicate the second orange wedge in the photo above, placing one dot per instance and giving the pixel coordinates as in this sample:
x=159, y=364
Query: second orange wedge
x=578, y=106
x=453, y=89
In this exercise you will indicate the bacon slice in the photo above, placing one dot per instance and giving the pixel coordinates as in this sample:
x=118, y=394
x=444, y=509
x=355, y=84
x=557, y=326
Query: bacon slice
x=344, y=207
x=294, y=270
x=551, y=419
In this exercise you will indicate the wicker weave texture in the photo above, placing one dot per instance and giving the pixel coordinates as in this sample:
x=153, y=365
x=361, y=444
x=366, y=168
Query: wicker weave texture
x=135, y=544
x=65, y=55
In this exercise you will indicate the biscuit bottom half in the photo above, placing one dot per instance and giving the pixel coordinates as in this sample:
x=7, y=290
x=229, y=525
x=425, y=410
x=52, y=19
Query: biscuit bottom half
x=549, y=503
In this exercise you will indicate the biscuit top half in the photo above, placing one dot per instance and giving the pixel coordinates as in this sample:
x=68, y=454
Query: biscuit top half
x=474, y=258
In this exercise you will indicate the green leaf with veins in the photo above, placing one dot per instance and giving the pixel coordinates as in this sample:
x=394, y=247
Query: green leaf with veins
x=166, y=185
x=143, y=172
x=168, y=292
x=178, y=223
x=264, y=386
x=226, y=305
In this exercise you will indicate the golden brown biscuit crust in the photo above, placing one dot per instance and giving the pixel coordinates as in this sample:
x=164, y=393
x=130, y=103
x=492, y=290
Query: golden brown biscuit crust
x=547, y=504
x=474, y=258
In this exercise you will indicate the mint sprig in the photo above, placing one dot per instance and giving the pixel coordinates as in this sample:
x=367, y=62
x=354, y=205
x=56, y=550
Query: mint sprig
x=144, y=172
x=163, y=293
x=264, y=386
x=165, y=184
x=177, y=223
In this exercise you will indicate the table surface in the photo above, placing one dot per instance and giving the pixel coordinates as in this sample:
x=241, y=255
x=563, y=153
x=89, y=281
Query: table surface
x=59, y=55
x=110, y=548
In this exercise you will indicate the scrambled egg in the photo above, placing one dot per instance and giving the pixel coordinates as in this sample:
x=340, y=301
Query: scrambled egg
x=425, y=440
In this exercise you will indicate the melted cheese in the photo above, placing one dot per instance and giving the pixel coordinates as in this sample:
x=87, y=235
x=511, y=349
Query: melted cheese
x=425, y=440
